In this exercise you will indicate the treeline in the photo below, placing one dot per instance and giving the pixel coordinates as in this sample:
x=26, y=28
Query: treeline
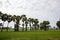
x=33, y=23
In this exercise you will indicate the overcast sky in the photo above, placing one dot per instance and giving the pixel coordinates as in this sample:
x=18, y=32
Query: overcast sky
x=41, y=9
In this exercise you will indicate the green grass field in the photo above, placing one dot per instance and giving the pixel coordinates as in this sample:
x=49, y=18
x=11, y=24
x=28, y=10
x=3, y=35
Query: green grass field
x=37, y=35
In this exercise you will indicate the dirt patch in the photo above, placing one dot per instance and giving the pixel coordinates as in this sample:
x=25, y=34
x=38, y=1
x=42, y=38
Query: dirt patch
x=53, y=39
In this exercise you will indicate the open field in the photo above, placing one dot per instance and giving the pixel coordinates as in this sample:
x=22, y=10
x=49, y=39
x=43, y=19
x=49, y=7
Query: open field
x=37, y=35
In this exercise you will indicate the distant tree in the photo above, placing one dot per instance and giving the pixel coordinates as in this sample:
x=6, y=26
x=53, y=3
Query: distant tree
x=4, y=18
x=41, y=26
x=23, y=17
x=38, y=27
x=58, y=24
x=18, y=18
x=45, y=25
x=30, y=22
x=26, y=24
x=14, y=20
x=9, y=19
x=1, y=26
x=1, y=15
x=36, y=23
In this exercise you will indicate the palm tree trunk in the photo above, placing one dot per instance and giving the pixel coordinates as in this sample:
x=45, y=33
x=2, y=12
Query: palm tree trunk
x=23, y=26
x=26, y=28
x=45, y=28
x=14, y=26
x=30, y=27
x=7, y=27
x=17, y=27
x=2, y=27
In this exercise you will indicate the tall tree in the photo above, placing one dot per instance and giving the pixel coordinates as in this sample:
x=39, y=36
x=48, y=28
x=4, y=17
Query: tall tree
x=35, y=23
x=1, y=15
x=14, y=20
x=30, y=21
x=41, y=26
x=4, y=18
x=45, y=25
x=23, y=20
x=26, y=24
x=9, y=19
x=1, y=26
x=58, y=24
x=37, y=27
x=18, y=18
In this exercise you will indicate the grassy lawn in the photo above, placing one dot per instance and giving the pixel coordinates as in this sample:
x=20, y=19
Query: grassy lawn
x=37, y=35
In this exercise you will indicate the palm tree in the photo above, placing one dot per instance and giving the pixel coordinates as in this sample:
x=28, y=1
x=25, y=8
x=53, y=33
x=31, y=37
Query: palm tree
x=18, y=18
x=23, y=20
x=38, y=27
x=32, y=20
x=14, y=20
x=35, y=23
x=26, y=24
x=9, y=19
x=58, y=24
x=1, y=26
x=1, y=15
x=29, y=21
x=4, y=18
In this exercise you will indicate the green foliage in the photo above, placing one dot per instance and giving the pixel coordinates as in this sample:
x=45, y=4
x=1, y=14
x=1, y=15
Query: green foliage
x=45, y=25
x=58, y=24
